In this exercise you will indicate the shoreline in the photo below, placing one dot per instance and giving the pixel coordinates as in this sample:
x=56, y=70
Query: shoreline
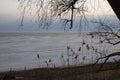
x=88, y=72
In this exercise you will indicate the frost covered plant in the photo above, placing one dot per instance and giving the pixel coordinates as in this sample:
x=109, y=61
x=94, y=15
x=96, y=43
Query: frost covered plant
x=49, y=63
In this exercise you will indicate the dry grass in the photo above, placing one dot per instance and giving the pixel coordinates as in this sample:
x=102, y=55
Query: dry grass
x=88, y=72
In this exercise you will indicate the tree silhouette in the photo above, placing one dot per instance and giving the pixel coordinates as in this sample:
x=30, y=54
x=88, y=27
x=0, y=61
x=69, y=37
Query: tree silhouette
x=115, y=6
x=64, y=7
x=109, y=36
x=45, y=11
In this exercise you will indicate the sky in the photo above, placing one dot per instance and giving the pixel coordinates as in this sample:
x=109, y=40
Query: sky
x=10, y=15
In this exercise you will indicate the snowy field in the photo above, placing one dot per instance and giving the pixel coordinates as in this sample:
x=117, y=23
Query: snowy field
x=20, y=50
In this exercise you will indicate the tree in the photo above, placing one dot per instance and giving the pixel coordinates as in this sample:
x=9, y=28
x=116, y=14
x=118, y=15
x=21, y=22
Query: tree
x=64, y=7
x=108, y=35
x=115, y=5
x=45, y=11
x=106, y=59
x=36, y=8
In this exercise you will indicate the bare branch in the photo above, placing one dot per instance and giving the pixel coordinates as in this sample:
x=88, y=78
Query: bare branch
x=44, y=10
x=108, y=35
x=106, y=59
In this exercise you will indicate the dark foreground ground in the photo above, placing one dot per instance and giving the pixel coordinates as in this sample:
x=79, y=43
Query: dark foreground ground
x=88, y=72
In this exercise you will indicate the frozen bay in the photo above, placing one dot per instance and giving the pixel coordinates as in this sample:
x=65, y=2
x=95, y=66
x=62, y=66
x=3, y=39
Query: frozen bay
x=19, y=50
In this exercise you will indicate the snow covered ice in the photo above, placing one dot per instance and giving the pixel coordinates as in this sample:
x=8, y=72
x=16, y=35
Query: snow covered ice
x=19, y=50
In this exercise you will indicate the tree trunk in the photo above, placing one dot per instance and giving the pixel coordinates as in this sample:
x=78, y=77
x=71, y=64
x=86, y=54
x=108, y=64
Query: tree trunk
x=71, y=25
x=115, y=4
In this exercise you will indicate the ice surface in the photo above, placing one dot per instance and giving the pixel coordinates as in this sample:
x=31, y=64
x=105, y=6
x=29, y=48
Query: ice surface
x=19, y=50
